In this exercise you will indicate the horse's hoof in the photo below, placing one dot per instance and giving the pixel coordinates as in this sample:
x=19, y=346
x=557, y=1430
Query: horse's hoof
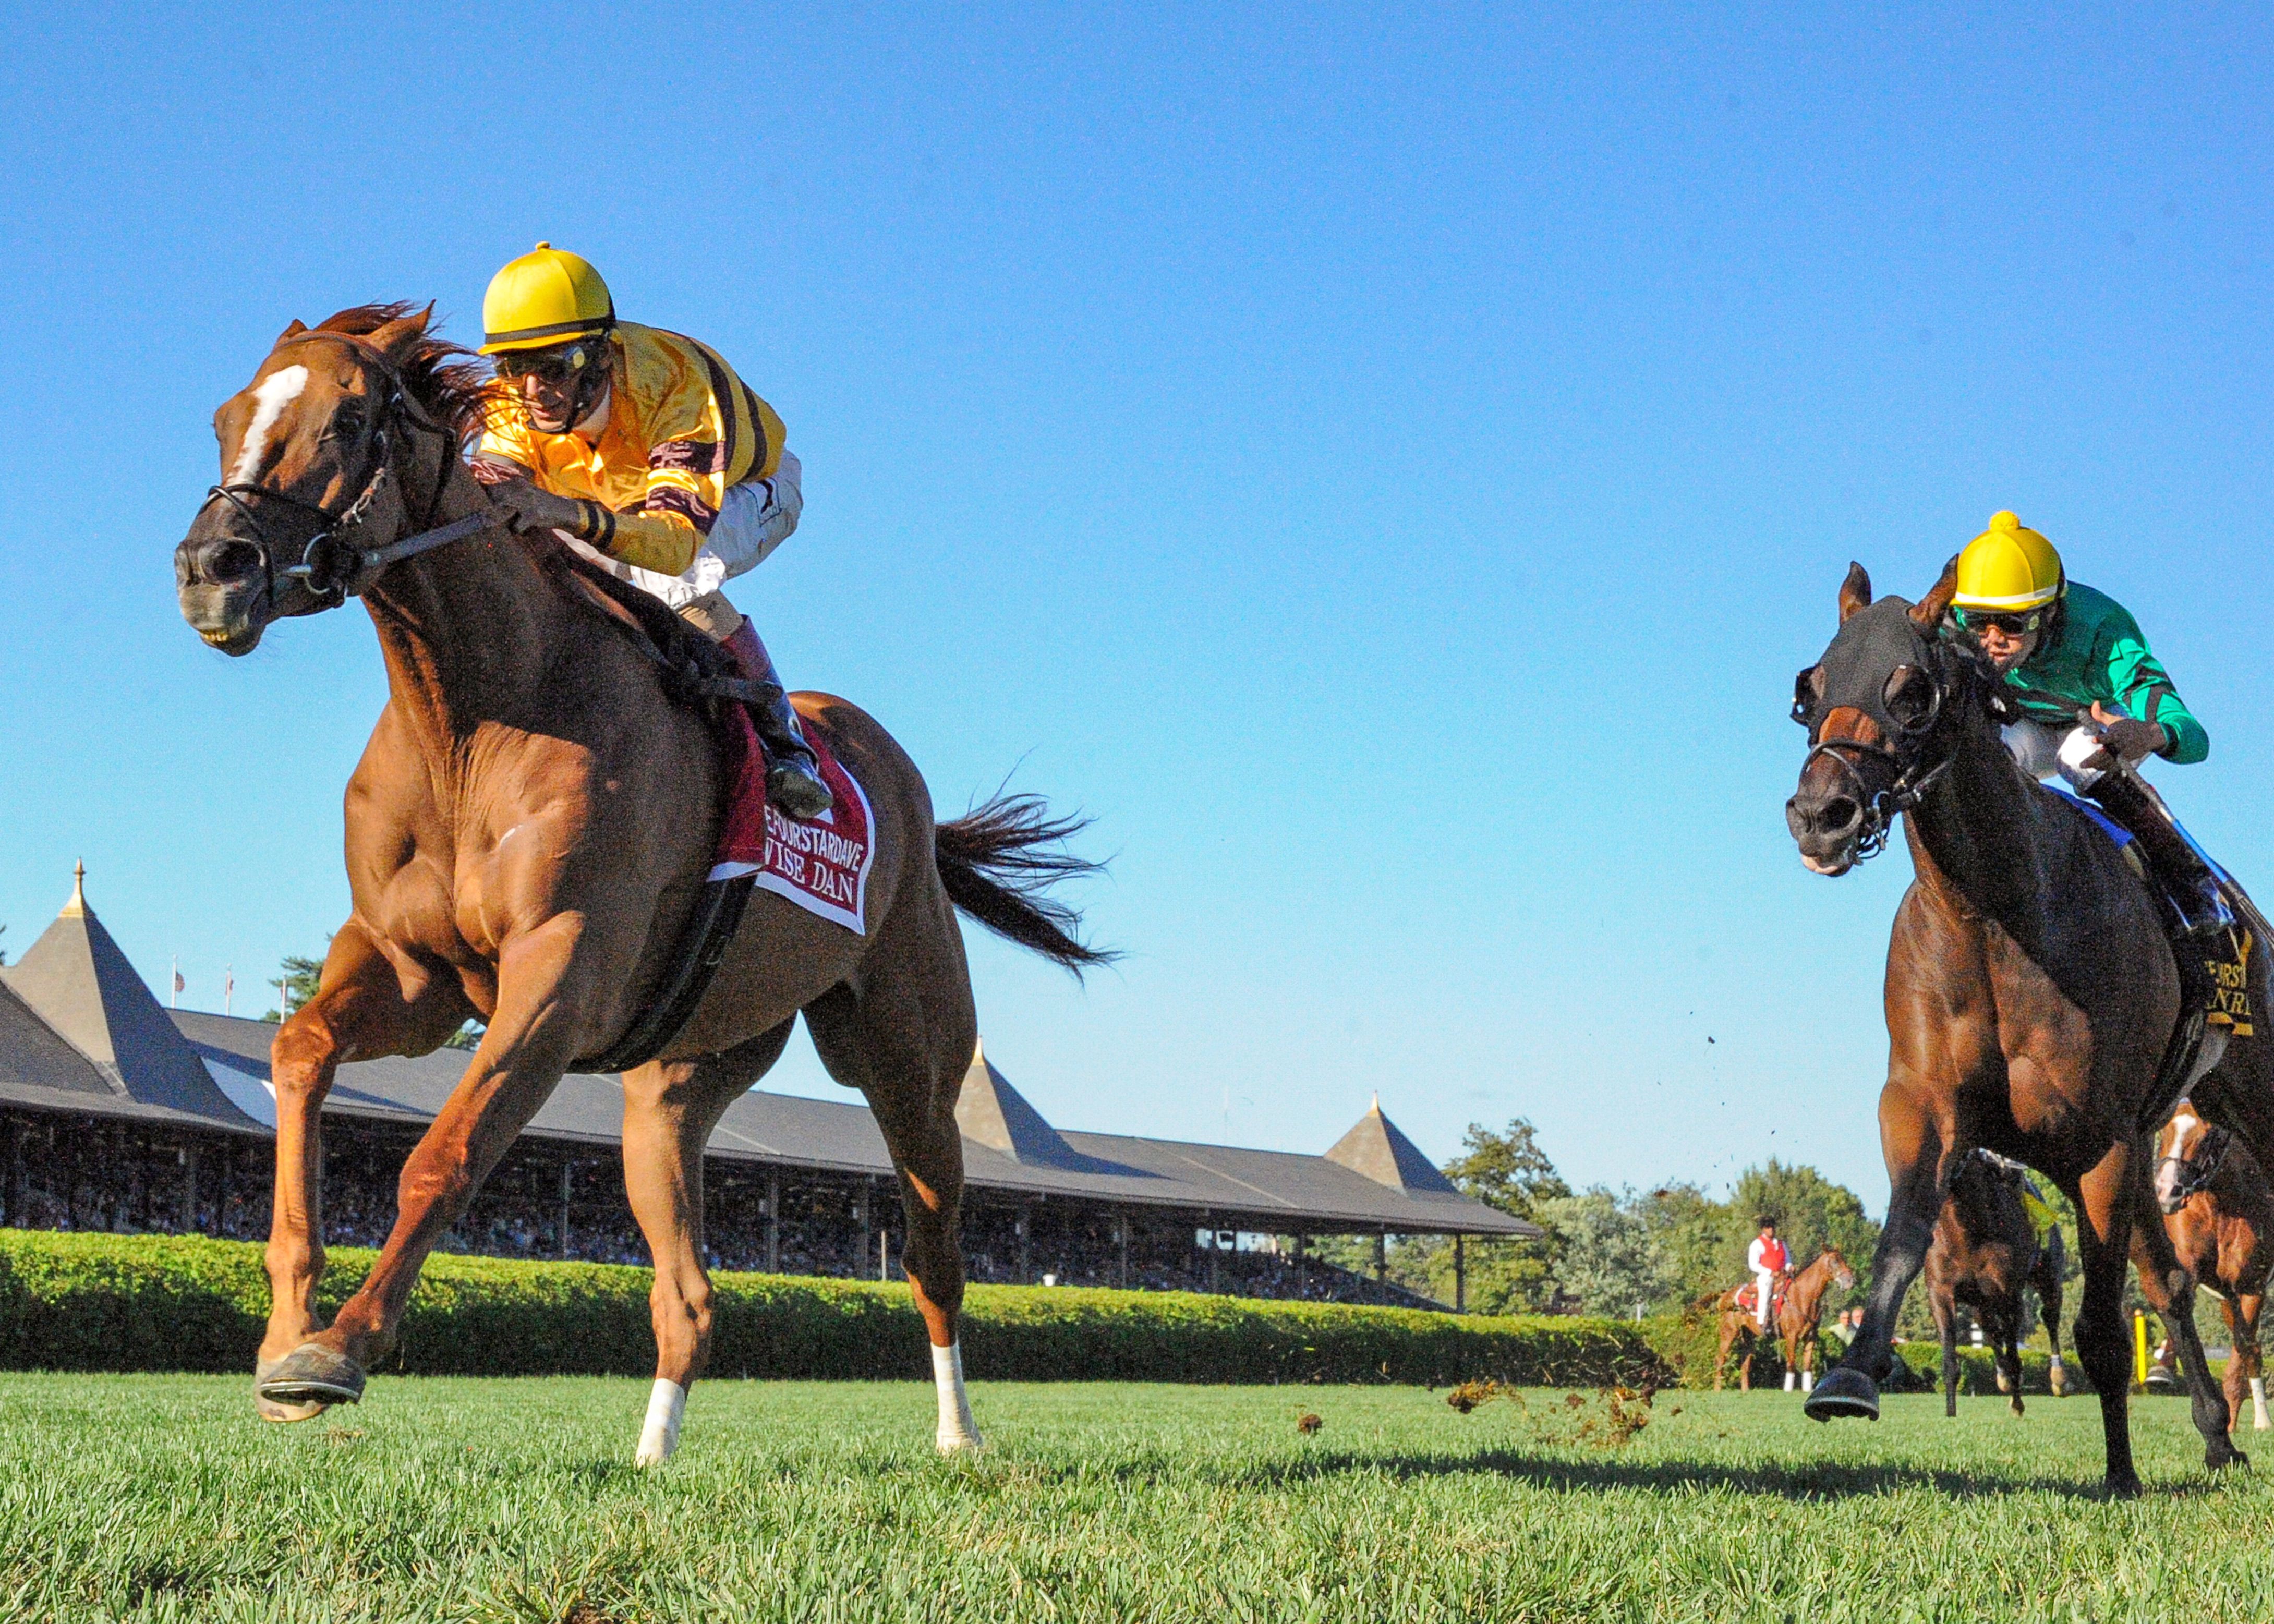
x=2233, y=1457
x=268, y=1409
x=952, y=1444
x=311, y=1374
x=1843, y=1392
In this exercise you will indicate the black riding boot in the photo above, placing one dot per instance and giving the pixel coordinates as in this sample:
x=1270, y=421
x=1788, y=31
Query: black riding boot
x=2183, y=873
x=793, y=772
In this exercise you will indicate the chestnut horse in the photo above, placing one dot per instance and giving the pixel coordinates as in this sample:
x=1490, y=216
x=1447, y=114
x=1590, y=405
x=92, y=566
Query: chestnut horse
x=2218, y=1210
x=527, y=833
x=2030, y=988
x=1796, y=1320
x=1985, y=1253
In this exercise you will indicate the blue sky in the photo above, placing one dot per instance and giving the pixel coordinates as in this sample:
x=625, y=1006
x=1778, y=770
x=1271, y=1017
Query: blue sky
x=1386, y=468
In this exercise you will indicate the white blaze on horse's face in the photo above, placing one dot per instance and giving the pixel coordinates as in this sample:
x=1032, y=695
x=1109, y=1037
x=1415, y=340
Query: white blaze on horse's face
x=2181, y=1136
x=270, y=397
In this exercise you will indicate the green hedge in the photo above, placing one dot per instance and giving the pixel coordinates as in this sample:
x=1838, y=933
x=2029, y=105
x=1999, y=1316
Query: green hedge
x=152, y=1303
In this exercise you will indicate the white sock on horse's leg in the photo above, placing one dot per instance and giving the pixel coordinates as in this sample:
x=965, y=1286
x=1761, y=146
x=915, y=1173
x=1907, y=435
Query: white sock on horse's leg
x=2259, y=1421
x=667, y=1405
x=1791, y=1381
x=957, y=1429
x=1808, y=1381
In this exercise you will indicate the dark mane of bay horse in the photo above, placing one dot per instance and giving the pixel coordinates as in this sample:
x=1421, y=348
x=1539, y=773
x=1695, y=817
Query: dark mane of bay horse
x=526, y=833
x=2030, y=987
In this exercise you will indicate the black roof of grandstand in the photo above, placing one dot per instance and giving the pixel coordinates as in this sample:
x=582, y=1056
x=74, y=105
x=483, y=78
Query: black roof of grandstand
x=80, y=1032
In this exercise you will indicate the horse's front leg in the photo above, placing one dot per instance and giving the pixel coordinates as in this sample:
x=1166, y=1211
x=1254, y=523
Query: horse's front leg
x=544, y=990
x=2242, y=1324
x=2170, y=1291
x=360, y=1010
x=1916, y=1152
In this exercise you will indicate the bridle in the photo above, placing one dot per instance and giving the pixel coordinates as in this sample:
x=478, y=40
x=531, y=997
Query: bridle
x=2195, y=1172
x=332, y=568
x=1915, y=776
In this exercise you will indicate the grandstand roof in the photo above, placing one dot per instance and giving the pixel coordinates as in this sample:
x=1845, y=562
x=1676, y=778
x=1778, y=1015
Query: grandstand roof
x=80, y=1032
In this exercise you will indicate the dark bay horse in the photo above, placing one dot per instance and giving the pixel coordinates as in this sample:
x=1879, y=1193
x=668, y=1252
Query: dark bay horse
x=2030, y=988
x=1985, y=1253
x=2219, y=1209
x=1796, y=1320
x=527, y=832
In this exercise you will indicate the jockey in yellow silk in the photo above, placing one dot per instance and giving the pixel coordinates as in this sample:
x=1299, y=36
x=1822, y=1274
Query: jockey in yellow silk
x=643, y=445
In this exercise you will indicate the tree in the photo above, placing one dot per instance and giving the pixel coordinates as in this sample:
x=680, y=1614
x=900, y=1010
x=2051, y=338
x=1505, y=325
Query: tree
x=1510, y=1171
x=300, y=979
x=1610, y=1260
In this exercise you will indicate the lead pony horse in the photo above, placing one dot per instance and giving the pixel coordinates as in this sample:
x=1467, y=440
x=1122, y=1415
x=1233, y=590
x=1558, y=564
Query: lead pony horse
x=1797, y=1318
x=2031, y=989
x=527, y=833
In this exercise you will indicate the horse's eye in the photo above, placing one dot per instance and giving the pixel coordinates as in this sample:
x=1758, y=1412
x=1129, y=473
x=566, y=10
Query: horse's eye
x=1910, y=697
x=346, y=423
x=1807, y=688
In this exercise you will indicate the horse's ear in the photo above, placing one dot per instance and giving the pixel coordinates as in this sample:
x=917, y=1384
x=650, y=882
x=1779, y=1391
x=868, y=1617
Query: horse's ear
x=297, y=327
x=1854, y=592
x=1928, y=612
x=402, y=331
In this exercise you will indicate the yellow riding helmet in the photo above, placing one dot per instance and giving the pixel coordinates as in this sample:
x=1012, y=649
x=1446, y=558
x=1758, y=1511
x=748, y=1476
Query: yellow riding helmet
x=543, y=297
x=2008, y=568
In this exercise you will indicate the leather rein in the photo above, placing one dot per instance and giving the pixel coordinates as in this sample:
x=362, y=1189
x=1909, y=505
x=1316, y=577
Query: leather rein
x=331, y=566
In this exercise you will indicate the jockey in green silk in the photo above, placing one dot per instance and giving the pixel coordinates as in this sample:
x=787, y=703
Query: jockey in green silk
x=2096, y=699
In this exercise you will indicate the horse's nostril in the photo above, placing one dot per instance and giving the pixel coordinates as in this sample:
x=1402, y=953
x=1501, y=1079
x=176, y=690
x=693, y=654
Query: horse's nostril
x=228, y=562
x=1838, y=816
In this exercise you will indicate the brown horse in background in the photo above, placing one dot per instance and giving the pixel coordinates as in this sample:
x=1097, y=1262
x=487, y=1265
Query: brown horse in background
x=1985, y=1253
x=527, y=832
x=1796, y=1320
x=2219, y=1209
x=2032, y=989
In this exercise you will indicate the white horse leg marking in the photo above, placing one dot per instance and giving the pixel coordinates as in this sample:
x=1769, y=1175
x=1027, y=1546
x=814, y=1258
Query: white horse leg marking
x=956, y=1429
x=2259, y=1421
x=270, y=397
x=666, y=1404
x=1791, y=1381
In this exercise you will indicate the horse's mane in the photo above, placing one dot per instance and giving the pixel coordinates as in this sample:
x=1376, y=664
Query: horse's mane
x=448, y=382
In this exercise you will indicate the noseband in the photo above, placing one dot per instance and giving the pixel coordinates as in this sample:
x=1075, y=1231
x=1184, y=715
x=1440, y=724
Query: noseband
x=2195, y=1172
x=331, y=568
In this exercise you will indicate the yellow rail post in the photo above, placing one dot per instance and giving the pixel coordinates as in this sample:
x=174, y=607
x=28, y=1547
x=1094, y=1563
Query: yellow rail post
x=2140, y=1349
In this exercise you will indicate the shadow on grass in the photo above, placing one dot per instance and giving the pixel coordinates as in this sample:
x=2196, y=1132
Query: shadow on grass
x=1816, y=1480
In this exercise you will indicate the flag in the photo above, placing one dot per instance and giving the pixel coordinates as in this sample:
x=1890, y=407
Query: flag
x=179, y=984
x=228, y=987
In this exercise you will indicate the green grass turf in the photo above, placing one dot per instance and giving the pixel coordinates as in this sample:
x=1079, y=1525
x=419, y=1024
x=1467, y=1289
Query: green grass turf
x=159, y=1497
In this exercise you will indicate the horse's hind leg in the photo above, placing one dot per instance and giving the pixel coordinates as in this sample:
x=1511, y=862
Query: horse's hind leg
x=1945, y=1321
x=670, y=1111
x=2244, y=1320
x=2049, y=1304
x=905, y=1039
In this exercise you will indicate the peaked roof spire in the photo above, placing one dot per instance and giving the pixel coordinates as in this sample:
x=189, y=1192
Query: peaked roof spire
x=1375, y=1149
x=76, y=979
x=992, y=1113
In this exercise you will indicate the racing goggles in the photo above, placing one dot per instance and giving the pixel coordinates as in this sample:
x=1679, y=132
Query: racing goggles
x=1987, y=619
x=556, y=365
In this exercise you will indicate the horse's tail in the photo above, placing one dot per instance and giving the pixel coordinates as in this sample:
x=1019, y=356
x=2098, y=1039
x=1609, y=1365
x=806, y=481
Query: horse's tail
x=997, y=864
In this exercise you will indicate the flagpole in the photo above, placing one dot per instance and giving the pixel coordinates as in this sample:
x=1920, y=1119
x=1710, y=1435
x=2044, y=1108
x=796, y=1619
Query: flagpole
x=174, y=987
x=228, y=988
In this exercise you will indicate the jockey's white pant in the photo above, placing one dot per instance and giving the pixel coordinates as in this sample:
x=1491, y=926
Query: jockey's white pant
x=2044, y=752
x=1764, y=1294
x=757, y=517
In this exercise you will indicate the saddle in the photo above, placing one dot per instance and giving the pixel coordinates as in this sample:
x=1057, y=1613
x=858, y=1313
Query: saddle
x=1749, y=1298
